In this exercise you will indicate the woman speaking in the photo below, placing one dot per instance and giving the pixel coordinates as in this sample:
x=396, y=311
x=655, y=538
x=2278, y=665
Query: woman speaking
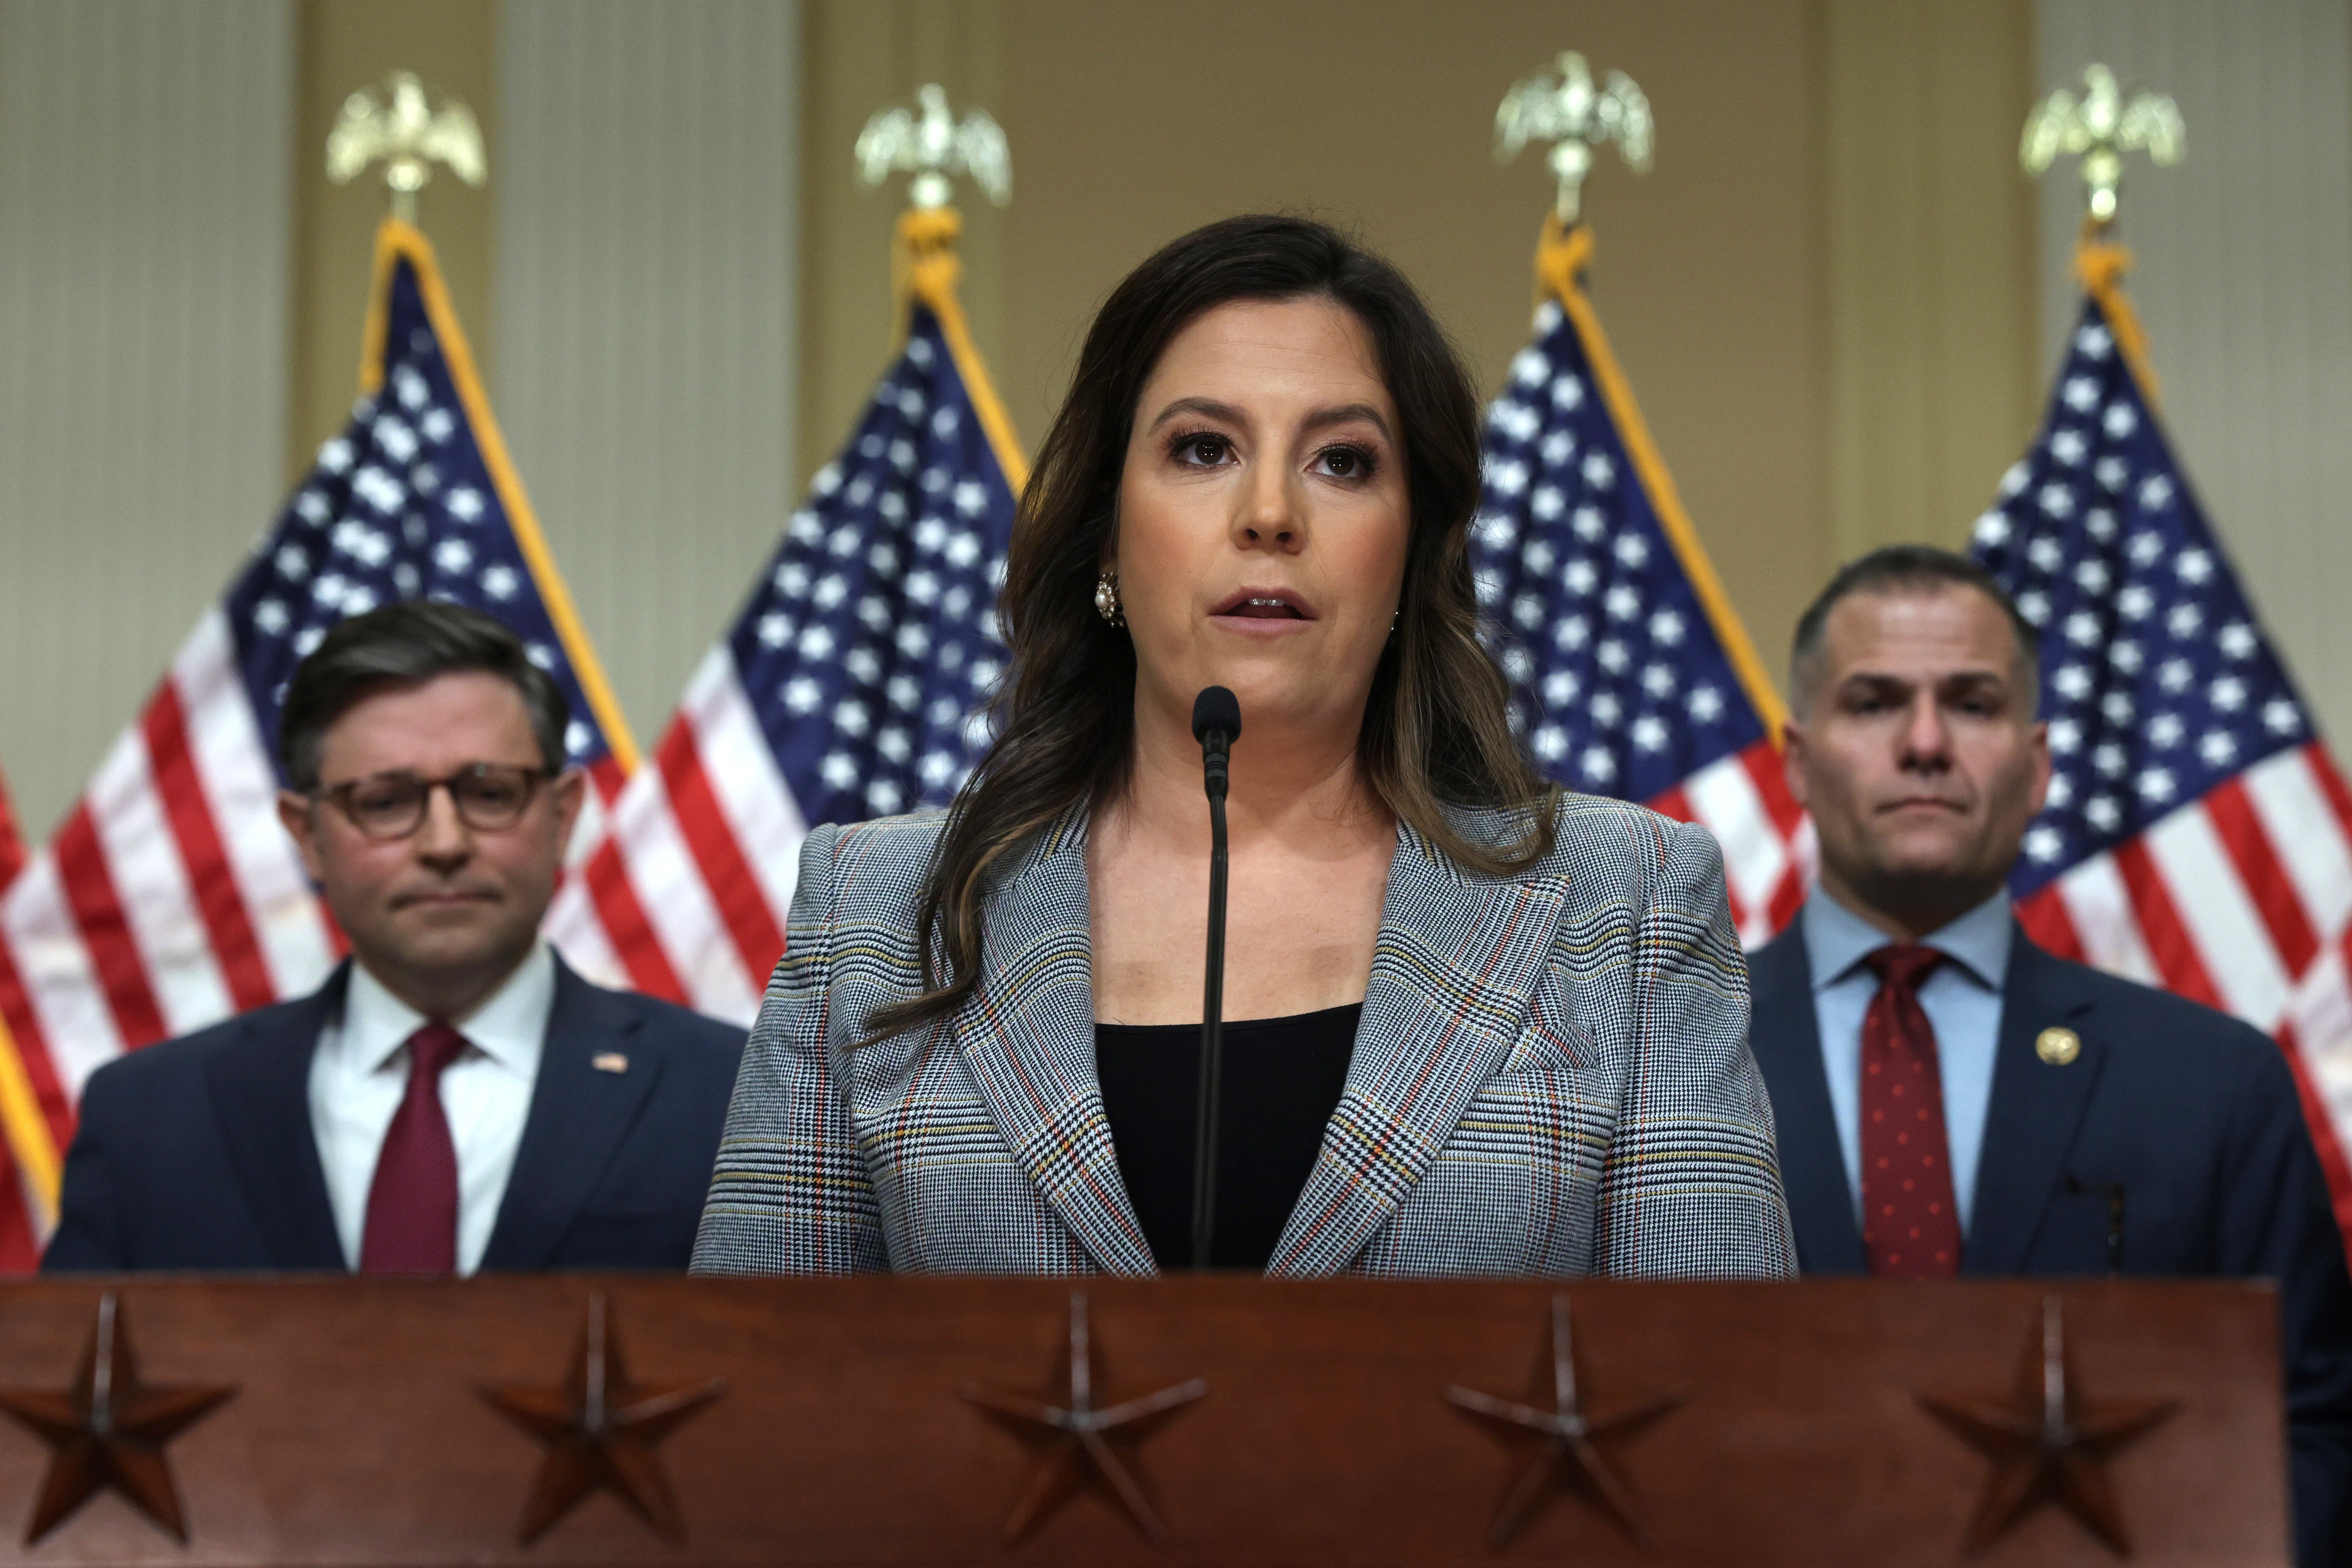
x=1480, y=1027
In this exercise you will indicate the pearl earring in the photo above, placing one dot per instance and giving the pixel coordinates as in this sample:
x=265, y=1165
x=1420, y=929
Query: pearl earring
x=1106, y=602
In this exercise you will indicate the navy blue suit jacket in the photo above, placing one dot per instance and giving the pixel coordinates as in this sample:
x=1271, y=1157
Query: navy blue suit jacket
x=198, y=1153
x=2192, y=1114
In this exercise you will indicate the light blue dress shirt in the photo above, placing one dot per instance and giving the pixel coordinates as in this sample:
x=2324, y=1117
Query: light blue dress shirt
x=1961, y=999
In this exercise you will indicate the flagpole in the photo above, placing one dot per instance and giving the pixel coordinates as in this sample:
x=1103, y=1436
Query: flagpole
x=924, y=265
x=2099, y=126
x=2099, y=265
x=935, y=147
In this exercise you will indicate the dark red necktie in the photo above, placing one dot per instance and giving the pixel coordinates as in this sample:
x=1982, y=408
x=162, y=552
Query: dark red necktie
x=1910, y=1227
x=412, y=1212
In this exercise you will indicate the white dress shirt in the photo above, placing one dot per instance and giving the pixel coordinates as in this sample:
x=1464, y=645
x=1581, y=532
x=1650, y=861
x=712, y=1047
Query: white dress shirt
x=1961, y=999
x=360, y=1074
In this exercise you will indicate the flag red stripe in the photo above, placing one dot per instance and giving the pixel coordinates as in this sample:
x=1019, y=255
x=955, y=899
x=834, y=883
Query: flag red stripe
x=1762, y=762
x=20, y=1249
x=2332, y=1161
x=1788, y=898
x=33, y=1051
x=11, y=842
x=2169, y=944
x=703, y=825
x=625, y=925
x=2046, y=921
x=2251, y=850
x=218, y=897
x=2331, y=783
x=606, y=774
x=98, y=912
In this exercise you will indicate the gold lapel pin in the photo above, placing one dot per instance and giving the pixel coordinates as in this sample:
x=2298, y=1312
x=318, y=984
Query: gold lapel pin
x=613, y=1062
x=2057, y=1047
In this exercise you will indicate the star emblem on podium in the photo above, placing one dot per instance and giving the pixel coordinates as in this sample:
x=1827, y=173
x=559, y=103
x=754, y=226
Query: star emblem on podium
x=2047, y=1441
x=109, y=1430
x=1570, y=1440
x=599, y=1430
x=1083, y=1441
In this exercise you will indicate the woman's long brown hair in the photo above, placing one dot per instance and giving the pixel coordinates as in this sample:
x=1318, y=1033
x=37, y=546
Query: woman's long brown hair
x=1436, y=731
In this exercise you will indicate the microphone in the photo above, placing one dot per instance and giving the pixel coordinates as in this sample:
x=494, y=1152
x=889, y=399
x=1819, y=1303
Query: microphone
x=1216, y=723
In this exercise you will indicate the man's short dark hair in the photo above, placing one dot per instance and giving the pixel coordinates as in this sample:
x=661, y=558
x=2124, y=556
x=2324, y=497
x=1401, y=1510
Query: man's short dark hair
x=1907, y=569
x=406, y=645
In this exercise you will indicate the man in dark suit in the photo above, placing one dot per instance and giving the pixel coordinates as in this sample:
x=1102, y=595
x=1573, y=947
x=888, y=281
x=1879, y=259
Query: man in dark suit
x=1952, y=1100
x=453, y=1097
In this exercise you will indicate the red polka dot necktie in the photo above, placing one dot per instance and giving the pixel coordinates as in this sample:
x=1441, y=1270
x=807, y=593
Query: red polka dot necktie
x=1910, y=1227
x=412, y=1211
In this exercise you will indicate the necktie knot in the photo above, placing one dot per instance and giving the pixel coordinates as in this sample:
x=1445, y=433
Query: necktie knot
x=1903, y=966
x=431, y=1050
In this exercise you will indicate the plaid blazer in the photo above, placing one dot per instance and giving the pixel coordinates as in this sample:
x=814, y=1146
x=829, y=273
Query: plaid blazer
x=1551, y=1076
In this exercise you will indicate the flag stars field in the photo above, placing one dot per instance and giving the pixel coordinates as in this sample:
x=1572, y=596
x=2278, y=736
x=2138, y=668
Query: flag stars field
x=849, y=686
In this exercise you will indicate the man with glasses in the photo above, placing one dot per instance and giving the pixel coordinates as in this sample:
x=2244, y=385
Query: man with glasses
x=453, y=1097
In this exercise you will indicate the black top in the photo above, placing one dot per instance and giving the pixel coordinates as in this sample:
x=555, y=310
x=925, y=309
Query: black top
x=1281, y=1078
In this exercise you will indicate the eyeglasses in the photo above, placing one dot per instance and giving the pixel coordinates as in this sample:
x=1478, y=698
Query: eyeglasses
x=490, y=797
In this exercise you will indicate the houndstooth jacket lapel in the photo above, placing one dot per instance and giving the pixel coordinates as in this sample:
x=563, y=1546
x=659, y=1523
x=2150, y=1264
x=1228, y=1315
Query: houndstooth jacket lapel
x=1452, y=975
x=1455, y=966
x=1027, y=1037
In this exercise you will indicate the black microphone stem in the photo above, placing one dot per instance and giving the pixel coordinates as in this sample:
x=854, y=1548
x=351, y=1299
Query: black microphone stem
x=1216, y=724
x=1212, y=1020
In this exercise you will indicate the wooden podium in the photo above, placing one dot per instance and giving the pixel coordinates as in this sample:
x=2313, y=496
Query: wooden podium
x=1218, y=1419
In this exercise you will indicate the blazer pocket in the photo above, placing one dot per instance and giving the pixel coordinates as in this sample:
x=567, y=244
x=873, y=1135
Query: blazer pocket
x=1551, y=1039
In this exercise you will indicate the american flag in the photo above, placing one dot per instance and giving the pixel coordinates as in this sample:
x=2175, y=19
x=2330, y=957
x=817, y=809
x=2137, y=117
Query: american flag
x=848, y=688
x=1635, y=678
x=170, y=896
x=2197, y=835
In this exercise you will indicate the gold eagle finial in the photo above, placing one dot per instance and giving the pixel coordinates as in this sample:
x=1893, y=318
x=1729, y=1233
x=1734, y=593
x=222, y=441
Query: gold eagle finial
x=1564, y=107
x=400, y=128
x=934, y=147
x=2101, y=126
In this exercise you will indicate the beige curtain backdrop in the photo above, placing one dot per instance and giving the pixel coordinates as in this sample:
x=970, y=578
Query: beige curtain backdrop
x=646, y=195
x=1934, y=362
x=144, y=351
